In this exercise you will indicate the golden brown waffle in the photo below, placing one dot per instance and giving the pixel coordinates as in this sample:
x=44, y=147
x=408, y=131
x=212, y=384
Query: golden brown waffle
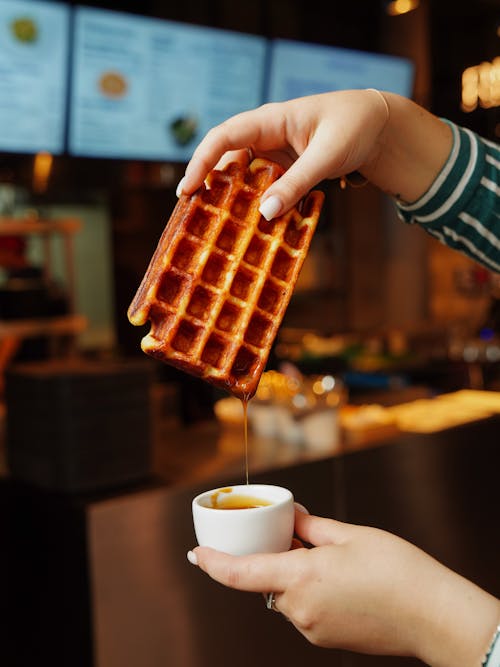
x=218, y=285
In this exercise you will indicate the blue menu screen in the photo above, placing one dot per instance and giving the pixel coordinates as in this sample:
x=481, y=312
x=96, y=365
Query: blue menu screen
x=150, y=89
x=299, y=68
x=33, y=75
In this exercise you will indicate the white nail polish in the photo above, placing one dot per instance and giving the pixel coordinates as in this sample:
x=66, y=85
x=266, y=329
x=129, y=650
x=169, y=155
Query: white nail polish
x=191, y=556
x=178, y=191
x=271, y=207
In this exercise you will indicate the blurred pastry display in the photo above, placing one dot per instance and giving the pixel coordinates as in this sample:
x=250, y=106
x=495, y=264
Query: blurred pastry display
x=300, y=411
x=445, y=411
x=229, y=412
x=365, y=424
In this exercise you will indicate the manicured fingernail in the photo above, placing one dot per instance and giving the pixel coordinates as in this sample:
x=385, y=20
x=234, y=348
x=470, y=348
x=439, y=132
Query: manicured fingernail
x=301, y=508
x=178, y=191
x=271, y=207
x=192, y=558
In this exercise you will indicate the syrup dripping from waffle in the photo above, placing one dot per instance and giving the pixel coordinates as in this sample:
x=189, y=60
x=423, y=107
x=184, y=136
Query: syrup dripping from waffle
x=244, y=404
x=221, y=278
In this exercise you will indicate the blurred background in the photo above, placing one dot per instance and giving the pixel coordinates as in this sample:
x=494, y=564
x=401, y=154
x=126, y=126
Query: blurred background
x=380, y=401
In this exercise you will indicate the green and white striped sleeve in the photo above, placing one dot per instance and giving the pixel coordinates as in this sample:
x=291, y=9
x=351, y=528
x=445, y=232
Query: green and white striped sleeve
x=462, y=206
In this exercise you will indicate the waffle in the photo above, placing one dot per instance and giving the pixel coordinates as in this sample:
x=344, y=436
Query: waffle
x=219, y=282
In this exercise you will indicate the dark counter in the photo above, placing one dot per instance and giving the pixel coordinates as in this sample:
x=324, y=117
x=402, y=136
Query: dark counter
x=105, y=582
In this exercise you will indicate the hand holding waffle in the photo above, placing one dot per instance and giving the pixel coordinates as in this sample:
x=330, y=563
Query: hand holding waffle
x=221, y=278
x=389, y=139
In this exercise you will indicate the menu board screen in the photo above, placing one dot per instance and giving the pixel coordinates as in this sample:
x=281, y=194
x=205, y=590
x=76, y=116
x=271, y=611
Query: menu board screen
x=33, y=75
x=299, y=68
x=150, y=89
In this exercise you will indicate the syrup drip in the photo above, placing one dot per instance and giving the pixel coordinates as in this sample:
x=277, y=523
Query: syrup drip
x=244, y=404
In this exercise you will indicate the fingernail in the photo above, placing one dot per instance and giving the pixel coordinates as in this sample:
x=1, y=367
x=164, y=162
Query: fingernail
x=178, y=190
x=192, y=558
x=271, y=207
x=301, y=508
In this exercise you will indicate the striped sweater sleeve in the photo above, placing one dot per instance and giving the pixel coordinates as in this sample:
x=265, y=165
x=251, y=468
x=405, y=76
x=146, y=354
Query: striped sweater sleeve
x=462, y=206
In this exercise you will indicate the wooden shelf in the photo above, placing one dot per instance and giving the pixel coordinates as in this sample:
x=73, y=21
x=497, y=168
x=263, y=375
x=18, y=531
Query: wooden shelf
x=27, y=226
x=13, y=332
x=50, y=326
x=32, y=226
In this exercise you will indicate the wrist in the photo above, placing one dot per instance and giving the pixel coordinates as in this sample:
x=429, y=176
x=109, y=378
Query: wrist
x=461, y=623
x=411, y=150
x=382, y=110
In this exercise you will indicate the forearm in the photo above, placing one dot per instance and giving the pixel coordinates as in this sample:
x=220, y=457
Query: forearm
x=410, y=151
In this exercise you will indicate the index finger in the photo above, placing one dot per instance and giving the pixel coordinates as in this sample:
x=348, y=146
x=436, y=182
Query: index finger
x=255, y=573
x=239, y=132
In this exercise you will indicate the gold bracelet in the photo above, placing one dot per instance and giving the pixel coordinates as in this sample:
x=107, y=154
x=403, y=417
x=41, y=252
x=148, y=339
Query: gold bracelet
x=355, y=179
x=382, y=97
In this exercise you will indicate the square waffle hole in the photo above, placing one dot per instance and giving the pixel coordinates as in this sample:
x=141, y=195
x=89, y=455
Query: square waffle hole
x=270, y=297
x=216, y=194
x=170, y=289
x=242, y=284
x=256, y=179
x=283, y=265
x=229, y=236
x=267, y=227
x=308, y=207
x=185, y=255
x=215, y=270
x=185, y=337
x=228, y=317
x=258, y=330
x=199, y=225
x=242, y=204
x=201, y=303
x=245, y=362
x=295, y=235
x=257, y=248
x=214, y=351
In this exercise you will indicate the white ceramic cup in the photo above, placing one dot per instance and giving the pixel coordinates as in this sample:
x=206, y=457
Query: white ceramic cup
x=264, y=529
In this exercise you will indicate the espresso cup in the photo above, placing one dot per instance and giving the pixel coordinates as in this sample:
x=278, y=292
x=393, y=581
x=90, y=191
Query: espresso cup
x=245, y=519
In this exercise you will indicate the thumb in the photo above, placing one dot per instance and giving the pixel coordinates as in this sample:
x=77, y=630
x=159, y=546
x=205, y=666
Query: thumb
x=319, y=531
x=301, y=177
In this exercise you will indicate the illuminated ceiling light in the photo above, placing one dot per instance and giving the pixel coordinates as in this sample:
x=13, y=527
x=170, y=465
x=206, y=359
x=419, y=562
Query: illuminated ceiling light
x=397, y=7
x=42, y=166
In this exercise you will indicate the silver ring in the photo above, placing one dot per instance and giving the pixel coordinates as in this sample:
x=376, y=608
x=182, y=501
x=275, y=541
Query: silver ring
x=271, y=601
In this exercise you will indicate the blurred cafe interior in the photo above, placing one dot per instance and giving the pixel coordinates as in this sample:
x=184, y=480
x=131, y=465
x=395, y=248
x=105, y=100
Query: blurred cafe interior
x=380, y=400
